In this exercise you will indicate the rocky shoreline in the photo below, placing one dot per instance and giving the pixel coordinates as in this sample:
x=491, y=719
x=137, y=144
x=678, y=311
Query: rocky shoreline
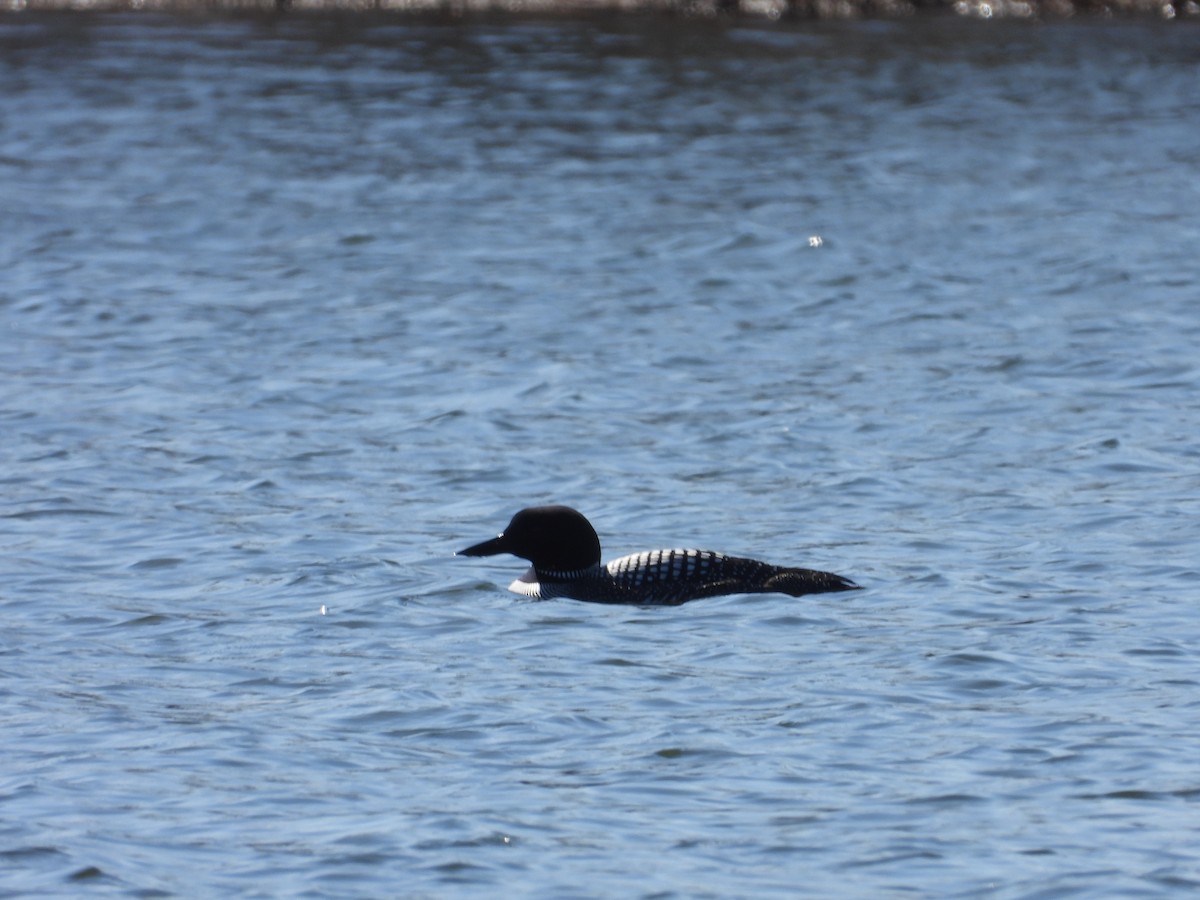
x=751, y=9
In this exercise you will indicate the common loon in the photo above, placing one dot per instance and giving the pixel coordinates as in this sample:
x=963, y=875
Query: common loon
x=565, y=552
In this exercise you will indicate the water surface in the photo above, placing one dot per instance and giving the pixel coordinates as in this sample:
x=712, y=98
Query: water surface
x=294, y=308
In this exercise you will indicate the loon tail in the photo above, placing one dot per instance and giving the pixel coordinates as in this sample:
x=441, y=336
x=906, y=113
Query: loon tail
x=798, y=582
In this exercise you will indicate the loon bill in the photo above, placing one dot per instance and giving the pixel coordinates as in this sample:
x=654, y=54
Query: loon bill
x=565, y=552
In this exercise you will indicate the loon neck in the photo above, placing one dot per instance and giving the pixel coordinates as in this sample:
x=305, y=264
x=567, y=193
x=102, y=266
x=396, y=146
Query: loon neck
x=546, y=573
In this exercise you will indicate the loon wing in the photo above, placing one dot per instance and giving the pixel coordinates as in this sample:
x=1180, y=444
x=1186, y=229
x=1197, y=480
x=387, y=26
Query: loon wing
x=671, y=577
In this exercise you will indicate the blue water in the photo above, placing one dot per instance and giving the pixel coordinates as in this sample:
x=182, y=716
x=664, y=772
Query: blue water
x=293, y=309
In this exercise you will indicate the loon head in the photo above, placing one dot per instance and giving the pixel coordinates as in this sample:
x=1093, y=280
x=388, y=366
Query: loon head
x=553, y=538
